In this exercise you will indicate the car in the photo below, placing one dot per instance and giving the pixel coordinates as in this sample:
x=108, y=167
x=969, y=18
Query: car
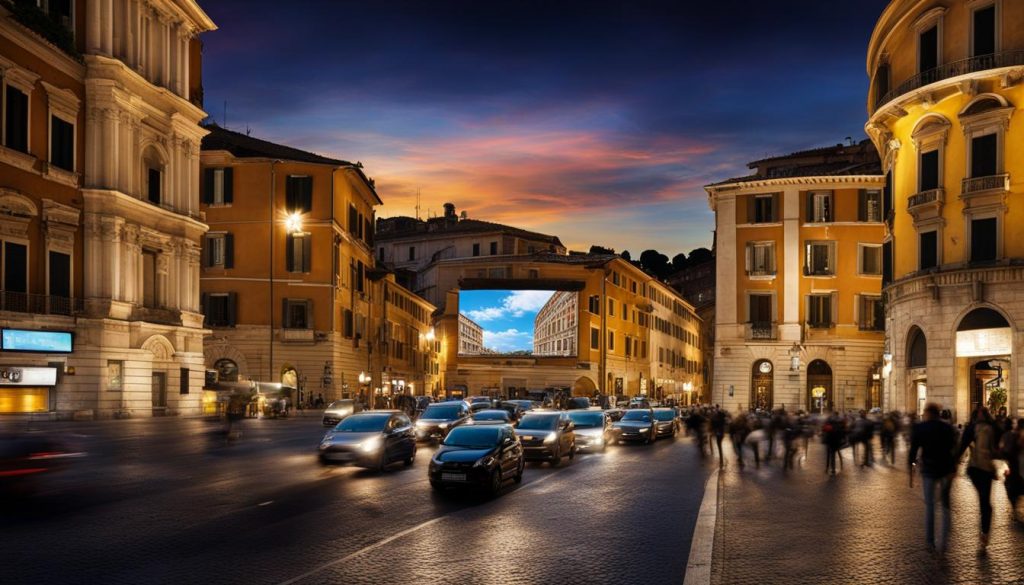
x=593, y=429
x=666, y=422
x=485, y=456
x=637, y=424
x=490, y=416
x=479, y=400
x=438, y=417
x=478, y=406
x=338, y=410
x=639, y=402
x=27, y=458
x=547, y=436
x=515, y=412
x=577, y=402
x=374, y=439
x=525, y=405
x=614, y=414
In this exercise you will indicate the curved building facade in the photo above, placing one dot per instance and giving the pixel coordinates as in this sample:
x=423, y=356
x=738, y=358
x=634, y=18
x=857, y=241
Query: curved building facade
x=947, y=86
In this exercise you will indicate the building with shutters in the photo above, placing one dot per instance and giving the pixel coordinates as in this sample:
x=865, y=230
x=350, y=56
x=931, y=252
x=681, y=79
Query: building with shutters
x=101, y=226
x=288, y=283
x=947, y=83
x=799, y=319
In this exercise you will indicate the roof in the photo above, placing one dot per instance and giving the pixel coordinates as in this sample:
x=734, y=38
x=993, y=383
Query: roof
x=448, y=226
x=841, y=160
x=245, y=146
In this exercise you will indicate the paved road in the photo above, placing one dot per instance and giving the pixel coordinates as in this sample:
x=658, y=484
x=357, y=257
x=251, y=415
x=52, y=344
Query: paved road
x=167, y=501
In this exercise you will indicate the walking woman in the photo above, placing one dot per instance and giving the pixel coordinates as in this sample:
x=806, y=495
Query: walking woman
x=982, y=437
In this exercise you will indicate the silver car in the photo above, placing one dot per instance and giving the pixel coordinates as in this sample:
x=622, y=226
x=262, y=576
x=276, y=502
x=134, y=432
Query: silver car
x=339, y=409
x=593, y=429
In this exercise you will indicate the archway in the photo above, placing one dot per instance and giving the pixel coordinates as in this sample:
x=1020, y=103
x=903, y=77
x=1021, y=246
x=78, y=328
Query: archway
x=819, y=387
x=762, y=377
x=584, y=386
x=984, y=346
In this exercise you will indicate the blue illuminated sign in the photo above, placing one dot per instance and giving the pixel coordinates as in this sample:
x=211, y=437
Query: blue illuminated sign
x=41, y=341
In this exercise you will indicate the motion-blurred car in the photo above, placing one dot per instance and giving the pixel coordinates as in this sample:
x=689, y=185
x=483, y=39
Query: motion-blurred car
x=577, y=402
x=615, y=414
x=637, y=424
x=478, y=406
x=547, y=436
x=478, y=455
x=439, y=417
x=592, y=428
x=515, y=412
x=639, y=402
x=374, y=439
x=666, y=422
x=338, y=410
x=27, y=458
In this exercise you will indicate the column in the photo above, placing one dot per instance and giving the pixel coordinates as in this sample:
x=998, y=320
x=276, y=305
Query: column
x=93, y=38
x=790, y=329
x=107, y=45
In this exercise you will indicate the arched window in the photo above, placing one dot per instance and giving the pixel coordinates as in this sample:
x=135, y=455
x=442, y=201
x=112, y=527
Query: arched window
x=917, y=349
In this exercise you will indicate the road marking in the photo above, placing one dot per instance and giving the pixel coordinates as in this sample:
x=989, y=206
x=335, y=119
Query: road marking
x=702, y=546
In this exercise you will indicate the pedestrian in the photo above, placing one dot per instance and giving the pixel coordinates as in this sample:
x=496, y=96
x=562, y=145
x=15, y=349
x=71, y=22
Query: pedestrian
x=719, y=420
x=833, y=432
x=890, y=426
x=695, y=425
x=864, y=428
x=936, y=440
x=982, y=437
x=1013, y=451
x=738, y=431
x=791, y=432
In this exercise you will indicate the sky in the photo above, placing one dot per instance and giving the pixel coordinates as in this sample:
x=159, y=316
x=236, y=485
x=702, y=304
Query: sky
x=506, y=316
x=595, y=121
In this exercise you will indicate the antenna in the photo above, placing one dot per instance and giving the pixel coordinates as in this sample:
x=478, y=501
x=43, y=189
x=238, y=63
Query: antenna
x=417, y=203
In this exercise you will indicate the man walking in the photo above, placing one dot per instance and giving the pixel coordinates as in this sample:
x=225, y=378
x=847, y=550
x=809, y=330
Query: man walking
x=936, y=440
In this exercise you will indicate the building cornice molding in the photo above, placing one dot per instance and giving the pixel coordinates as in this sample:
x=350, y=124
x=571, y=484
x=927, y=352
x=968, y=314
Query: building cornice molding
x=741, y=187
x=28, y=40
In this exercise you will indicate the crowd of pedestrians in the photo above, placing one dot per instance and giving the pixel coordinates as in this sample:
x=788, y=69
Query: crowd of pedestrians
x=987, y=446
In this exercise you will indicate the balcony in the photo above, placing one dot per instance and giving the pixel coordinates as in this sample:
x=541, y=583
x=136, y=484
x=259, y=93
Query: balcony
x=761, y=331
x=975, y=185
x=925, y=197
x=953, y=69
x=20, y=302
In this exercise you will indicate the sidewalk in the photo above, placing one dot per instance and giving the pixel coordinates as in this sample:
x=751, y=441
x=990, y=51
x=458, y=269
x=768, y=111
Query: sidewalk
x=864, y=525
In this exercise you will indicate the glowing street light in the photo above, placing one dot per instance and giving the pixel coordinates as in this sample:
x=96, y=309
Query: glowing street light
x=293, y=223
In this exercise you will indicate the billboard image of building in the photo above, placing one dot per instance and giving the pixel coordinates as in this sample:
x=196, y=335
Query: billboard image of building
x=471, y=337
x=554, y=328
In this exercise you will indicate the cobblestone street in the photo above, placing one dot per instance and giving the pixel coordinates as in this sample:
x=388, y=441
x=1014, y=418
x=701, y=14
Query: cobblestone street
x=864, y=525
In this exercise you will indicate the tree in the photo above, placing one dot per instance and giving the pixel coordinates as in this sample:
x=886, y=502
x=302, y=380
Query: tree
x=656, y=263
x=626, y=256
x=678, y=262
x=601, y=250
x=700, y=256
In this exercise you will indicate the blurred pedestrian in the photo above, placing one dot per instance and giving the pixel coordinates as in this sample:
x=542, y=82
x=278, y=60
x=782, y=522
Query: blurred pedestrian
x=833, y=433
x=1013, y=451
x=890, y=426
x=695, y=426
x=738, y=431
x=719, y=420
x=982, y=437
x=936, y=440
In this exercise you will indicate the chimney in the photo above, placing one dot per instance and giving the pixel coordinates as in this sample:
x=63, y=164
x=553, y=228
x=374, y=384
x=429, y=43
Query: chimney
x=449, y=210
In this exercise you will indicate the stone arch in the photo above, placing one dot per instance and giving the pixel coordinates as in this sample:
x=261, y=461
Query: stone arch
x=916, y=348
x=930, y=124
x=13, y=203
x=584, y=386
x=160, y=347
x=984, y=102
x=973, y=307
x=213, y=353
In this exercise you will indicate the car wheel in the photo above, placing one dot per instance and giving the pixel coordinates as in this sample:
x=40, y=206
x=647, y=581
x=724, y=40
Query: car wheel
x=383, y=462
x=437, y=485
x=495, y=482
x=412, y=457
x=556, y=459
x=572, y=451
x=519, y=474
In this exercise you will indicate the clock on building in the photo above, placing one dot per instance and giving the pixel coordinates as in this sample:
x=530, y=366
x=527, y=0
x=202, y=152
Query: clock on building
x=766, y=367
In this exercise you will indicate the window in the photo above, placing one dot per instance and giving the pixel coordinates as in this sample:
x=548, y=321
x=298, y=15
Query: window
x=154, y=178
x=881, y=83
x=615, y=278
x=220, y=309
x=887, y=263
x=533, y=273
x=763, y=209
x=16, y=120
x=595, y=338
x=115, y=375
x=297, y=255
x=870, y=260
x=594, y=304
x=871, y=315
x=59, y=281
x=629, y=346
x=984, y=155
x=761, y=258
x=347, y=324
x=984, y=31
x=611, y=307
x=299, y=194
x=819, y=311
x=218, y=186
x=928, y=250
x=298, y=314
x=928, y=53
x=611, y=341
x=496, y=272
x=819, y=207
x=983, y=239
x=632, y=286
x=360, y=277
x=929, y=171
x=870, y=206
x=62, y=144
x=15, y=268
x=220, y=251
x=149, y=297
x=760, y=309
x=820, y=259
x=494, y=248
x=476, y=249
x=412, y=252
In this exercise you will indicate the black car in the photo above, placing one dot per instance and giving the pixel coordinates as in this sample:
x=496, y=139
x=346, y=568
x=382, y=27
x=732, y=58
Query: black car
x=638, y=424
x=578, y=402
x=515, y=412
x=490, y=416
x=525, y=405
x=439, y=417
x=593, y=429
x=478, y=455
x=375, y=439
x=666, y=422
x=547, y=436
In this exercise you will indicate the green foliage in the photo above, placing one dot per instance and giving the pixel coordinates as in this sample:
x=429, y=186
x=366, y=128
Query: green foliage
x=996, y=399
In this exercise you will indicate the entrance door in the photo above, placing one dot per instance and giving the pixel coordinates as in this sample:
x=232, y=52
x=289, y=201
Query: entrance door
x=761, y=385
x=159, y=393
x=819, y=387
x=988, y=384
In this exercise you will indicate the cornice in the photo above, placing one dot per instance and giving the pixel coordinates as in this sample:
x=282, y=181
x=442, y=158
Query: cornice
x=31, y=42
x=863, y=180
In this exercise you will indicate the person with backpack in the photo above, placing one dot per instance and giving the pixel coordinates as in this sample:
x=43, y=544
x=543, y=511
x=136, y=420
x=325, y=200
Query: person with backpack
x=936, y=440
x=982, y=437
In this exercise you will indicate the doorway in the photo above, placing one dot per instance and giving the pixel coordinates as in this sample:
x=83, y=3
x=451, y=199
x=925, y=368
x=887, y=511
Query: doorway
x=819, y=387
x=988, y=384
x=159, y=387
x=762, y=385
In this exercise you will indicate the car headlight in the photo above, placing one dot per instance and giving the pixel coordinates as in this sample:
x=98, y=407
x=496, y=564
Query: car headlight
x=485, y=461
x=442, y=426
x=644, y=430
x=550, y=438
x=598, y=440
x=421, y=423
x=325, y=445
x=370, y=445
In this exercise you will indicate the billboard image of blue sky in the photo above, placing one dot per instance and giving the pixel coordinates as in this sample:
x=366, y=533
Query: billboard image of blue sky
x=506, y=316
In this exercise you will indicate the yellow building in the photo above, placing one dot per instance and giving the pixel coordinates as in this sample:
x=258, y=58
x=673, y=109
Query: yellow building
x=407, y=352
x=946, y=86
x=288, y=283
x=799, y=317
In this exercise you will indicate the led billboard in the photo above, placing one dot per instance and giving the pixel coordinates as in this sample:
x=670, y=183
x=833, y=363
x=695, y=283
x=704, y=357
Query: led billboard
x=535, y=323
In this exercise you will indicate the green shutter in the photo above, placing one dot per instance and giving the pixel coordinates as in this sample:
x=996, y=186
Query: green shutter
x=208, y=186
x=229, y=251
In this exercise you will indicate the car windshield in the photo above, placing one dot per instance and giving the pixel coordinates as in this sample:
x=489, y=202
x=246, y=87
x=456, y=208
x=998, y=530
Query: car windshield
x=491, y=415
x=640, y=415
x=473, y=437
x=539, y=422
x=363, y=423
x=442, y=411
x=664, y=414
x=587, y=420
x=340, y=405
x=524, y=404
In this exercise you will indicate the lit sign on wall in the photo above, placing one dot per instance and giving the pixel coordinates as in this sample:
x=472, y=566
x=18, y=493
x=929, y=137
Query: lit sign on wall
x=984, y=342
x=38, y=341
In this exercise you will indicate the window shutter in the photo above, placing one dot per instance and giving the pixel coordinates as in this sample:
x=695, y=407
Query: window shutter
x=232, y=309
x=290, y=188
x=289, y=254
x=832, y=257
x=751, y=208
x=207, y=252
x=807, y=258
x=229, y=250
x=862, y=205
x=307, y=246
x=204, y=306
x=229, y=185
x=750, y=253
x=833, y=303
x=776, y=210
x=809, y=204
x=207, y=186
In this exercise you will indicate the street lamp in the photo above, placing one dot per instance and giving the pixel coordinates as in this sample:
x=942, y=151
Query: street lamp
x=293, y=223
x=364, y=380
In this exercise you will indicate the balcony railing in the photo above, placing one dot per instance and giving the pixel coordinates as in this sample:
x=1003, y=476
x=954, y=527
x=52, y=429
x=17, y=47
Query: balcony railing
x=761, y=272
x=763, y=330
x=929, y=196
x=20, y=302
x=953, y=69
x=979, y=184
